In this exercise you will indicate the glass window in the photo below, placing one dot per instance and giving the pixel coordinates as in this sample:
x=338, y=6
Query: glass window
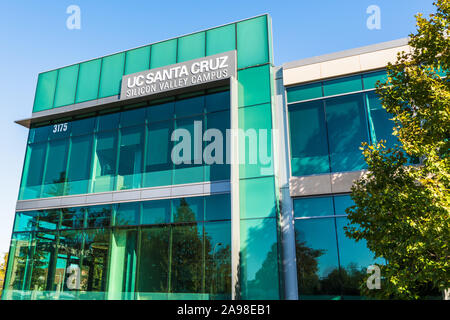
x=342, y=85
x=70, y=255
x=56, y=166
x=105, y=161
x=18, y=265
x=341, y=203
x=42, y=259
x=188, y=107
x=45, y=91
x=218, y=207
x=304, y=92
x=187, y=259
x=252, y=42
x=218, y=259
x=155, y=212
x=381, y=125
x=313, y=207
x=163, y=54
x=191, y=47
x=33, y=171
x=66, y=86
x=347, y=128
x=39, y=134
x=98, y=216
x=132, y=117
x=25, y=221
x=48, y=219
x=214, y=152
x=187, y=209
x=161, y=112
x=370, y=79
x=83, y=126
x=254, y=86
x=158, y=166
x=88, y=80
x=108, y=121
x=111, y=76
x=137, y=60
x=72, y=218
x=153, y=274
x=218, y=101
x=257, y=198
x=79, y=169
x=127, y=214
x=309, y=148
x=221, y=39
x=259, y=259
x=317, y=258
x=130, y=158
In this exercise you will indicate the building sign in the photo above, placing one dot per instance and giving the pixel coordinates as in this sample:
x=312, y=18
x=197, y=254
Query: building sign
x=181, y=75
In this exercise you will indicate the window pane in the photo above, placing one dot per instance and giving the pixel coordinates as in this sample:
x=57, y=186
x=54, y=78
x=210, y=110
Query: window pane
x=341, y=203
x=317, y=259
x=218, y=101
x=155, y=212
x=158, y=167
x=218, y=207
x=99, y=216
x=161, y=112
x=187, y=209
x=48, y=219
x=187, y=260
x=72, y=218
x=111, y=77
x=132, y=117
x=188, y=107
x=105, y=161
x=108, y=121
x=370, y=79
x=218, y=259
x=84, y=126
x=304, y=92
x=342, y=85
x=88, y=79
x=130, y=158
x=45, y=91
x=313, y=207
x=34, y=171
x=66, y=86
x=153, y=263
x=70, y=255
x=137, y=60
x=254, y=86
x=55, y=171
x=309, y=148
x=347, y=128
x=259, y=259
x=215, y=150
x=191, y=47
x=127, y=214
x=220, y=39
x=163, y=54
x=79, y=165
x=257, y=198
x=44, y=253
x=381, y=127
x=25, y=221
x=252, y=42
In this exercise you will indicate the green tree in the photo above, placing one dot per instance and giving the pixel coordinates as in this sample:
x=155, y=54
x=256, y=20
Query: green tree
x=402, y=210
x=3, y=272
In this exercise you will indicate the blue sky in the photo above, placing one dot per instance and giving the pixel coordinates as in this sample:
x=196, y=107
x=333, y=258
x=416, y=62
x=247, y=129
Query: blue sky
x=34, y=38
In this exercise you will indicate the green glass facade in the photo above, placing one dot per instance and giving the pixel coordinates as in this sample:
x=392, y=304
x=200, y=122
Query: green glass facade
x=104, y=211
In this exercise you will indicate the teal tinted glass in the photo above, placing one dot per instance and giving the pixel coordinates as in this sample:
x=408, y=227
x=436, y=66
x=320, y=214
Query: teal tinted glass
x=25, y=221
x=99, y=216
x=218, y=207
x=48, y=219
x=217, y=101
x=105, y=158
x=370, y=79
x=313, y=207
x=39, y=134
x=259, y=259
x=34, y=170
x=256, y=121
x=213, y=155
x=187, y=209
x=111, y=76
x=155, y=212
x=55, y=172
x=304, y=92
x=381, y=125
x=257, y=198
x=108, y=122
x=252, y=42
x=341, y=203
x=66, y=86
x=347, y=128
x=254, y=86
x=72, y=218
x=132, y=117
x=221, y=39
x=79, y=167
x=81, y=127
x=309, y=147
x=342, y=85
x=127, y=214
x=88, y=80
x=190, y=106
x=130, y=158
x=161, y=112
x=317, y=259
x=191, y=47
x=137, y=60
x=163, y=54
x=45, y=91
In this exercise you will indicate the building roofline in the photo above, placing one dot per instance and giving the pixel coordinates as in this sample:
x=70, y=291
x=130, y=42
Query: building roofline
x=347, y=53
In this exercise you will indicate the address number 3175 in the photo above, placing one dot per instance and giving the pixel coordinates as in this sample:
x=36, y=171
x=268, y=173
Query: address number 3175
x=62, y=127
